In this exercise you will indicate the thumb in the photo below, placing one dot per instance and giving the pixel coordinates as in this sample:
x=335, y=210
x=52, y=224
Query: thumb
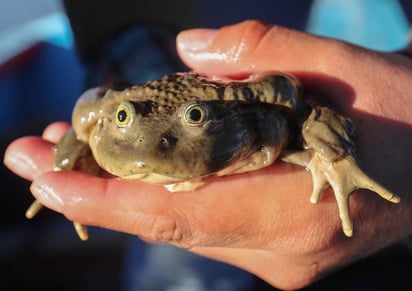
x=250, y=47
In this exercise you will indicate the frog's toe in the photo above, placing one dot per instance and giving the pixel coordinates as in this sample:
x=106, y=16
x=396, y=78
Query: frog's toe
x=306, y=159
x=33, y=209
x=81, y=230
x=355, y=178
x=320, y=183
x=342, y=198
x=344, y=176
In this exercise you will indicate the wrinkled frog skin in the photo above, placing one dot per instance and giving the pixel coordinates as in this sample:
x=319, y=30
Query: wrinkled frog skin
x=180, y=129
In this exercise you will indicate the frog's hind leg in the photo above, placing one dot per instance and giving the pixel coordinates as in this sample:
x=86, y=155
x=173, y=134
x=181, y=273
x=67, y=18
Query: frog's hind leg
x=328, y=155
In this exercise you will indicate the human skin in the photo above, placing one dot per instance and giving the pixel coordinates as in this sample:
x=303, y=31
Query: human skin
x=262, y=221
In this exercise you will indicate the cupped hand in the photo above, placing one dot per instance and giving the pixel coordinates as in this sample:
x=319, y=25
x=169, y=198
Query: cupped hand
x=261, y=221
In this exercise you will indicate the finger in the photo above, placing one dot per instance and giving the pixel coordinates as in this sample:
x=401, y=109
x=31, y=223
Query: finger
x=54, y=132
x=251, y=46
x=29, y=157
x=324, y=66
x=122, y=205
x=219, y=213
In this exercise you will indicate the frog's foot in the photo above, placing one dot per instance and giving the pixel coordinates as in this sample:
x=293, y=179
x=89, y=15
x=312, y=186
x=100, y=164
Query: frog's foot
x=344, y=176
x=35, y=208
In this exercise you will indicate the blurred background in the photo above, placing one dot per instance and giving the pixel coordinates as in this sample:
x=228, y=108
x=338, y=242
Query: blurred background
x=40, y=79
x=52, y=50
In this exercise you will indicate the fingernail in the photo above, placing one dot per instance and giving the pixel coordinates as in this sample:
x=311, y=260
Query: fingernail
x=47, y=195
x=195, y=40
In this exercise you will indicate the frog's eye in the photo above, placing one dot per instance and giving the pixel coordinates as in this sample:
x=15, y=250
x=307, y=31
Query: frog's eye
x=123, y=115
x=195, y=114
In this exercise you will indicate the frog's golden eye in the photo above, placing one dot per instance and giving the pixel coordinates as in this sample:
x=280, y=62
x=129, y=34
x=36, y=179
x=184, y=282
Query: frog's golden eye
x=195, y=114
x=123, y=115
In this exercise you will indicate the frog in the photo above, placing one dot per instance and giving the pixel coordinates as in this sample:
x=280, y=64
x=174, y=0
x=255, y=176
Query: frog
x=183, y=128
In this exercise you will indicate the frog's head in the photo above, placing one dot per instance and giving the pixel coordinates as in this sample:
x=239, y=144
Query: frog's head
x=131, y=135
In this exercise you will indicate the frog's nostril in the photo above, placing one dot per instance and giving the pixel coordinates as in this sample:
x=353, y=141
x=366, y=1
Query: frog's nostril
x=167, y=141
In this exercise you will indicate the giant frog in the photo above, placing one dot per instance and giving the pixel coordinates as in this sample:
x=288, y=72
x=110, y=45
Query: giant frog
x=183, y=128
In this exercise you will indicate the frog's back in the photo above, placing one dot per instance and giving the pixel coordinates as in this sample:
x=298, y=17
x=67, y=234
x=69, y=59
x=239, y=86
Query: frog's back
x=173, y=90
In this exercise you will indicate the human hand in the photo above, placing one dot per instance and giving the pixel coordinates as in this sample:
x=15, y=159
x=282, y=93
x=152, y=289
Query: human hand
x=260, y=221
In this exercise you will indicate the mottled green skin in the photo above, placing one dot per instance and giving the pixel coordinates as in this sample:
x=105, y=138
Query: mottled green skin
x=241, y=119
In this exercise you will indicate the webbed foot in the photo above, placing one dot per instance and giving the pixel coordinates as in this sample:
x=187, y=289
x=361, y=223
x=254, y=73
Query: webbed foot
x=329, y=155
x=344, y=176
